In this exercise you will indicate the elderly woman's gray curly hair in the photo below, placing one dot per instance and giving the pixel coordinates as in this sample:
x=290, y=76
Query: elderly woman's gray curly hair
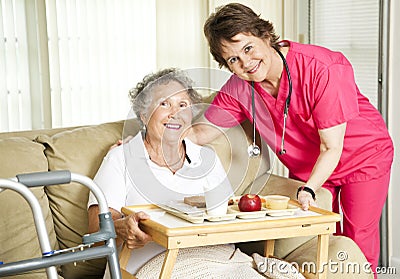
x=141, y=96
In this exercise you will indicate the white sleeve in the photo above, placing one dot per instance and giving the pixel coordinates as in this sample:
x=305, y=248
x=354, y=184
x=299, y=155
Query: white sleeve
x=111, y=179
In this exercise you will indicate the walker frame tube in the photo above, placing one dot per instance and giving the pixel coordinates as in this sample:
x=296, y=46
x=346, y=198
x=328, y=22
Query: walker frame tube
x=38, y=218
x=50, y=261
x=106, y=231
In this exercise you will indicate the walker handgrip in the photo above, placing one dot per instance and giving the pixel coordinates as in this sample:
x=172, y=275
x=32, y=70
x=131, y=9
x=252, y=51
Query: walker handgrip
x=45, y=178
x=106, y=232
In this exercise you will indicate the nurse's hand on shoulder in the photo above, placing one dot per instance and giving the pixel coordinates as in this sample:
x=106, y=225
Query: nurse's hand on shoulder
x=120, y=142
x=130, y=231
x=306, y=200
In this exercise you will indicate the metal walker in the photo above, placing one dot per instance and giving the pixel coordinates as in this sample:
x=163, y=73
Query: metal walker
x=50, y=258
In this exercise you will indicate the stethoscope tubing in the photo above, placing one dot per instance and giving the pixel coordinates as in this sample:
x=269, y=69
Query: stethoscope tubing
x=285, y=110
x=287, y=102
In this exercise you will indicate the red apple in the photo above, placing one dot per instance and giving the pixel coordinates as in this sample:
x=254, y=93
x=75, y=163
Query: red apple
x=249, y=202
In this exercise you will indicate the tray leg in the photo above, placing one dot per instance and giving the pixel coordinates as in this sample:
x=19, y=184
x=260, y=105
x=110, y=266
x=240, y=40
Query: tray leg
x=322, y=256
x=169, y=262
x=269, y=247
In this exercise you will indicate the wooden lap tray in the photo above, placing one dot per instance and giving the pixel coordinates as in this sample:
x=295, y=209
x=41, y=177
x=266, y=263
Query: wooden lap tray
x=174, y=233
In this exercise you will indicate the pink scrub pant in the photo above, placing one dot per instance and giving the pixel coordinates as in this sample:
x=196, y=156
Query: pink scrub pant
x=362, y=204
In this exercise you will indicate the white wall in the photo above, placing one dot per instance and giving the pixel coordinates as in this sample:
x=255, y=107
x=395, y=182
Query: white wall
x=394, y=129
x=178, y=45
x=180, y=29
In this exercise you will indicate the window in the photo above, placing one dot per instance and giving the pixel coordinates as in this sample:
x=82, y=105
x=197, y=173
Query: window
x=72, y=62
x=15, y=109
x=352, y=27
x=98, y=50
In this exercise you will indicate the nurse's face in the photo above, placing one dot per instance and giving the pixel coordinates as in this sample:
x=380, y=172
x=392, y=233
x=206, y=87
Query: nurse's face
x=248, y=57
x=169, y=114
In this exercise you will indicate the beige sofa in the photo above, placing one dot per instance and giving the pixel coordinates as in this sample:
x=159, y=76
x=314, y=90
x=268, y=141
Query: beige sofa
x=81, y=150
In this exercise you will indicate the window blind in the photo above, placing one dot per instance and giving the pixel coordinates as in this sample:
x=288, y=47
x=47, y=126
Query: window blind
x=15, y=108
x=352, y=27
x=98, y=50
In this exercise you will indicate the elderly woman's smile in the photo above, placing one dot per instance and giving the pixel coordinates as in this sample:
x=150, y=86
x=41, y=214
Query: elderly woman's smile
x=172, y=126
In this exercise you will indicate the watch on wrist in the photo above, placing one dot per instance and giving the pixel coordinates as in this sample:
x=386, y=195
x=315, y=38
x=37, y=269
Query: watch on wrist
x=307, y=189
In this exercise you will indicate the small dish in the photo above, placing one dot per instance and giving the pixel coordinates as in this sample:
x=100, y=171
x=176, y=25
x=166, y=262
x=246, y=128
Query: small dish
x=226, y=217
x=246, y=215
x=276, y=202
x=290, y=210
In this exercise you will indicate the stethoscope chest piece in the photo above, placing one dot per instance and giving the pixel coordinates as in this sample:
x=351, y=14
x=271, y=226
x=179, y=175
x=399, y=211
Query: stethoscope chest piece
x=253, y=150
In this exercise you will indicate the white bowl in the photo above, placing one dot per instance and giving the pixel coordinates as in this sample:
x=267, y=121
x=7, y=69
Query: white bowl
x=276, y=202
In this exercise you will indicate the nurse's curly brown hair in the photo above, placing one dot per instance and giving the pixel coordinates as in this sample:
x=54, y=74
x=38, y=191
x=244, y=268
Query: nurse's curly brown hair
x=230, y=20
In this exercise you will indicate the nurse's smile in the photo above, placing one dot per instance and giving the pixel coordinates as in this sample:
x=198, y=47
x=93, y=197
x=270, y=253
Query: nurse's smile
x=254, y=70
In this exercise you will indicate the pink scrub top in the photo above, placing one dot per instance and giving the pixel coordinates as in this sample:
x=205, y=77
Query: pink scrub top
x=324, y=95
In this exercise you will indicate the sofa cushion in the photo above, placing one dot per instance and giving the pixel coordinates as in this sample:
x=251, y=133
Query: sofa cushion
x=18, y=237
x=81, y=151
x=345, y=259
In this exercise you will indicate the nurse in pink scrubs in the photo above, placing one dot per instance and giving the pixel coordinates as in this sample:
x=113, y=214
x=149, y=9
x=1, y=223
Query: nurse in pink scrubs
x=333, y=137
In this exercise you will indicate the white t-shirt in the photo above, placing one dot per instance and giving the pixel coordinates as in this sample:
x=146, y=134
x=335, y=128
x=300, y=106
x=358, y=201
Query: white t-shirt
x=127, y=176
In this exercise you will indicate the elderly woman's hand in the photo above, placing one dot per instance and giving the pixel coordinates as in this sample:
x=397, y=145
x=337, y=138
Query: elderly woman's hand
x=129, y=231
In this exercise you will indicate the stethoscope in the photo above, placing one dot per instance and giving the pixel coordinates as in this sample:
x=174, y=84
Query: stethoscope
x=254, y=149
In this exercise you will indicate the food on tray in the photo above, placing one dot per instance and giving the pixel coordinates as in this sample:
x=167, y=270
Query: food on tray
x=198, y=201
x=234, y=200
x=276, y=202
x=249, y=203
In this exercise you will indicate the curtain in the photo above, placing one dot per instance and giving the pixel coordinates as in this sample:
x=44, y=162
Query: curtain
x=98, y=50
x=72, y=62
x=15, y=108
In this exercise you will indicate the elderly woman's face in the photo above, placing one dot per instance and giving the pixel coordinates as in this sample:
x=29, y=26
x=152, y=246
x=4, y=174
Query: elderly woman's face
x=169, y=114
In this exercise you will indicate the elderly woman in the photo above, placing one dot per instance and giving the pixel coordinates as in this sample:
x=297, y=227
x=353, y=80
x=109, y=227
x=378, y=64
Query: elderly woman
x=160, y=164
